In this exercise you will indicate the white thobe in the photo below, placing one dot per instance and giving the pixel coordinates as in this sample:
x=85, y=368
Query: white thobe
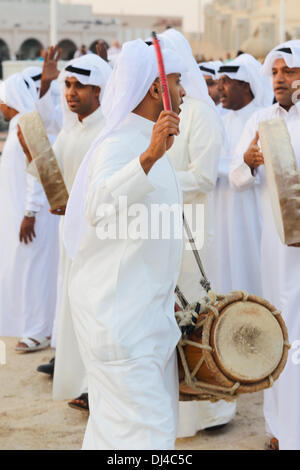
x=28, y=273
x=222, y=111
x=69, y=374
x=236, y=247
x=195, y=157
x=280, y=280
x=122, y=300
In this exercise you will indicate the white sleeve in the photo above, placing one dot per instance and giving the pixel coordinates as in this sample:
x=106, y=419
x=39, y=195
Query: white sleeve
x=240, y=175
x=35, y=195
x=205, y=144
x=107, y=183
x=50, y=113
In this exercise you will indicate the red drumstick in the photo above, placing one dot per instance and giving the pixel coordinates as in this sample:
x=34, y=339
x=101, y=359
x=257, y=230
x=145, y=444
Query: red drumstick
x=162, y=74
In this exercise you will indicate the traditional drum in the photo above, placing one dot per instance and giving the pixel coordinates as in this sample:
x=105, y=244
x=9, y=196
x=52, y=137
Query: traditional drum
x=283, y=178
x=44, y=159
x=240, y=345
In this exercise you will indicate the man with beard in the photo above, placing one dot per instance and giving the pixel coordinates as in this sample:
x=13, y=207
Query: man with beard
x=279, y=263
x=237, y=215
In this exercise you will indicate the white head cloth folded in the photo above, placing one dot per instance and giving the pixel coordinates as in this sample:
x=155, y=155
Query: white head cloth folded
x=88, y=69
x=135, y=70
x=288, y=51
x=210, y=68
x=247, y=69
x=192, y=81
x=35, y=73
x=19, y=92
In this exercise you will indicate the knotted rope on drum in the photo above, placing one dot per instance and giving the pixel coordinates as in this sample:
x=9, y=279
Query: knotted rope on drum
x=240, y=292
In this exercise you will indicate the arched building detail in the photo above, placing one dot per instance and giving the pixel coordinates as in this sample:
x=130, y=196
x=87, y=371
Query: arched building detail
x=68, y=49
x=30, y=49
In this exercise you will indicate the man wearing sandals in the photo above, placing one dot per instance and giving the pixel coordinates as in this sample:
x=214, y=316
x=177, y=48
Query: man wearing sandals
x=83, y=81
x=28, y=237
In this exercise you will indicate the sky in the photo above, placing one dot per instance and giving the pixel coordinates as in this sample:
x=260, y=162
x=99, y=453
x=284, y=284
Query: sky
x=188, y=9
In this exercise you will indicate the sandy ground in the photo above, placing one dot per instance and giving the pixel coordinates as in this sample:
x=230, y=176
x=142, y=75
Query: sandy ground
x=29, y=419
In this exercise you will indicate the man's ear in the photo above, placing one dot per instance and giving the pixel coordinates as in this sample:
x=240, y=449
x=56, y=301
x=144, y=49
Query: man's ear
x=155, y=91
x=247, y=88
x=97, y=91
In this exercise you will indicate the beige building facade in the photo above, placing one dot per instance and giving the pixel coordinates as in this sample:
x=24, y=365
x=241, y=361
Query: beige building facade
x=25, y=28
x=249, y=25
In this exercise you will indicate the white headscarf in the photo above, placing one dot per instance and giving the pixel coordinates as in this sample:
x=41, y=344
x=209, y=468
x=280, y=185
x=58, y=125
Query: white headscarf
x=35, y=73
x=210, y=68
x=88, y=69
x=135, y=70
x=19, y=92
x=192, y=81
x=247, y=69
x=288, y=51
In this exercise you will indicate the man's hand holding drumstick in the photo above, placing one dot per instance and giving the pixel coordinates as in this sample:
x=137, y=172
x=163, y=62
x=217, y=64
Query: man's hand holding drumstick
x=164, y=130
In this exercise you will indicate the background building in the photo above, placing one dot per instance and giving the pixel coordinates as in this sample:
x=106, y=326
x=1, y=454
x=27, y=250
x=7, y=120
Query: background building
x=25, y=28
x=249, y=25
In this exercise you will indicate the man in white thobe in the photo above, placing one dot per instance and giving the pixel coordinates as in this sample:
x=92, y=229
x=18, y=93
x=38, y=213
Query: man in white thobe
x=237, y=215
x=122, y=286
x=280, y=264
x=83, y=82
x=195, y=157
x=82, y=123
x=27, y=299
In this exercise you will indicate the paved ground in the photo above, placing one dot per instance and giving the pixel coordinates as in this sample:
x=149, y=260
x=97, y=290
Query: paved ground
x=31, y=420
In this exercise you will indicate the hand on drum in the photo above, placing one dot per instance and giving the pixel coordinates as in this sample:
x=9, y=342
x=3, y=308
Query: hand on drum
x=253, y=157
x=58, y=211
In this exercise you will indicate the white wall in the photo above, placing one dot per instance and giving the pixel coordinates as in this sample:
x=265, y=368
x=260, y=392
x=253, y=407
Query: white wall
x=189, y=10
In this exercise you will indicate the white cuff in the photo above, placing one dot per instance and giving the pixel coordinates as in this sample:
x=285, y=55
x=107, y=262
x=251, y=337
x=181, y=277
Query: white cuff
x=241, y=177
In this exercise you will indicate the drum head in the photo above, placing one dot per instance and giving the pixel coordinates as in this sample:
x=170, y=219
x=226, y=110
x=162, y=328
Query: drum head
x=248, y=342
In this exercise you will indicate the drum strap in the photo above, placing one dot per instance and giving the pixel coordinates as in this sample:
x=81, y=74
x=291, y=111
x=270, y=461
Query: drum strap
x=181, y=297
x=204, y=281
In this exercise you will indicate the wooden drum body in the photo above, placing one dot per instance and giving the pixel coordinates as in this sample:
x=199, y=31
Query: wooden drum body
x=239, y=346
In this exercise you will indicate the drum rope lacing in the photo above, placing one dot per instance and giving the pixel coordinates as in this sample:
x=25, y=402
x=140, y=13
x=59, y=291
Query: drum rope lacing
x=211, y=391
x=215, y=391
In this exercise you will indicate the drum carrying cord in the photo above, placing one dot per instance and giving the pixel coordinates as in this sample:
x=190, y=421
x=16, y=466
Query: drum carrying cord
x=204, y=282
x=181, y=297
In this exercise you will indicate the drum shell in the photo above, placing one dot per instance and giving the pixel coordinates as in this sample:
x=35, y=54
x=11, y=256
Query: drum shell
x=211, y=372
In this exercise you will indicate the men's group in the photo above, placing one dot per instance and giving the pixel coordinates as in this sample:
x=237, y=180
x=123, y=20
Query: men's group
x=107, y=305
